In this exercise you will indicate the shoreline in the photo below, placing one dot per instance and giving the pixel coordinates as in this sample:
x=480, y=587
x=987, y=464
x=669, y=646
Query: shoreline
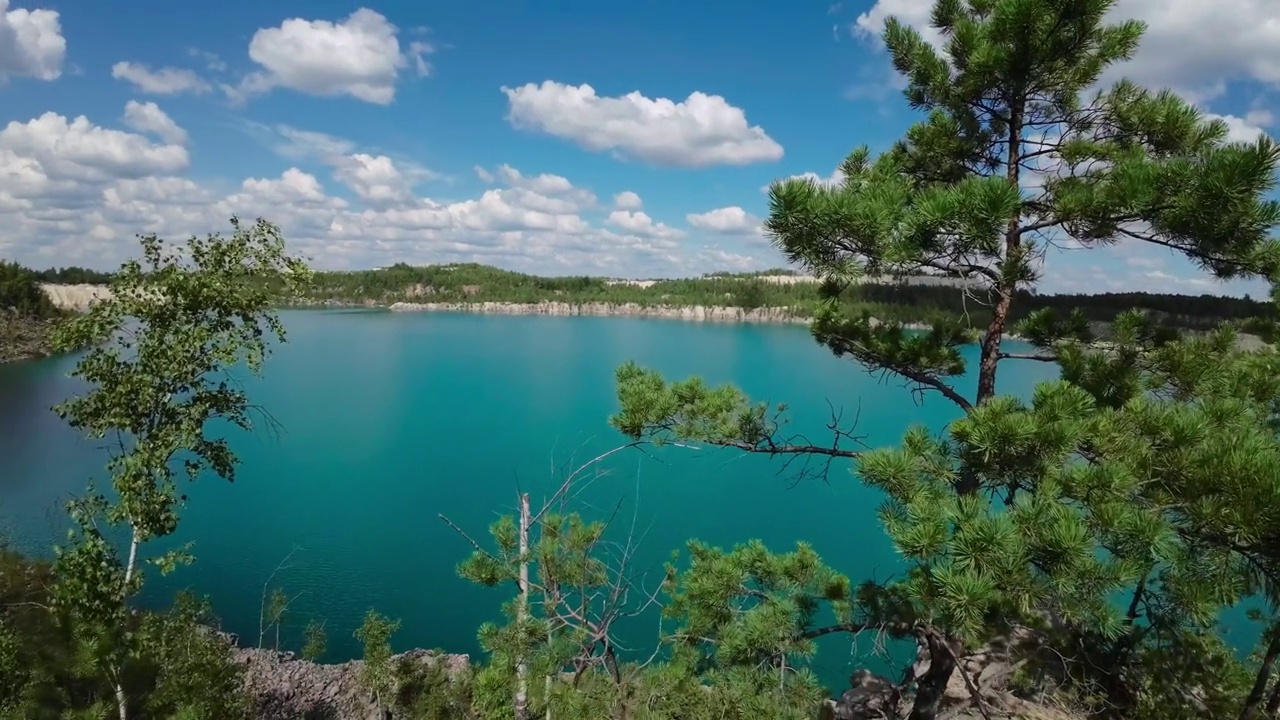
x=556, y=308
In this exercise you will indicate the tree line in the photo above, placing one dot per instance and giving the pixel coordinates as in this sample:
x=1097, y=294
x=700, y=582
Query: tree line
x=902, y=301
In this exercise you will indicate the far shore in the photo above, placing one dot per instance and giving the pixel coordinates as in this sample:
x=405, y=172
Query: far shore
x=79, y=297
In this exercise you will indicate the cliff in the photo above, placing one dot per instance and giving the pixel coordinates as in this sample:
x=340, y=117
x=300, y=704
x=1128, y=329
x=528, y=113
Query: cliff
x=74, y=297
x=695, y=313
x=23, y=337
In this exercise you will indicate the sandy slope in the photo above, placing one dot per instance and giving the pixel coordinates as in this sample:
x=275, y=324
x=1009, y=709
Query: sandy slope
x=74, y=297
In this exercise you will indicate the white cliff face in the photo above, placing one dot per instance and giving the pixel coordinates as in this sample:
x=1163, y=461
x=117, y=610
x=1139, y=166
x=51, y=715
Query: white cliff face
x=74, y=297
x=694, y=313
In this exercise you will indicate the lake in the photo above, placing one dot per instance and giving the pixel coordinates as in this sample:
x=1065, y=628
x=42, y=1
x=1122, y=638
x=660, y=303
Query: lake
x=386, y=420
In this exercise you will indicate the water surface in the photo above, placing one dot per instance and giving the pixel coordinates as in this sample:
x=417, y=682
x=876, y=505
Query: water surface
x=387, y=420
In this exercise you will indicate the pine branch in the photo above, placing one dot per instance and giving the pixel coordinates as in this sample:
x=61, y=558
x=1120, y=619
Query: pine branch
x=855, y=628
x=1189, y=250
x=770, y=448
x=1038, y=357
x=935, y=383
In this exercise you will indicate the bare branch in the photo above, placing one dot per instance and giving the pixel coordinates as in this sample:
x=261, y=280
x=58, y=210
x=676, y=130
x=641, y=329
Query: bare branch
x=1039, y=357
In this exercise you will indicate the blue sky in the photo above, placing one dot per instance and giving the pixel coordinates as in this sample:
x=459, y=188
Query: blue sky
x=625, y=138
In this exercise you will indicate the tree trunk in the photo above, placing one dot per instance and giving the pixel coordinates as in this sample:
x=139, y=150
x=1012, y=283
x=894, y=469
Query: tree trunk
x=133, y=557
x=1264, y=677
x=932, y=686
x=122, y=703
x=1273, y=702
x=522, y=665
x=1012, y=242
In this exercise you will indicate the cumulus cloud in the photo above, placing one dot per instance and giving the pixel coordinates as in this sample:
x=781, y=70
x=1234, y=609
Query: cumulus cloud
x=700, y=131
x=627, y=200
x=359, y=56
x=731, y=220
x=376, y=180
x=641, y=224
x=375, y=177
x=164, y=81
x=31, y=43
x=78, y=150
x=149, y=118
x=1247, y=128
x=78, y=193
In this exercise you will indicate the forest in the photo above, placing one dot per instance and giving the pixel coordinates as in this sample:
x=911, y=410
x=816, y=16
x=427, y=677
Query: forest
x=902, y=301
x=1066, y=554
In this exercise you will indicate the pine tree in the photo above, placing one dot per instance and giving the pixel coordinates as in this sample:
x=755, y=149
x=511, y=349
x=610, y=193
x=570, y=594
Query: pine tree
x=1112, y=481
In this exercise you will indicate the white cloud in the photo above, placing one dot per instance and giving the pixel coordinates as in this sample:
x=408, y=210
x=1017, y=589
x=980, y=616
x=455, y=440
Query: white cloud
x=1184, y=47
x=627, y=200
x=376, y=180
x=699, y=131
x=31, y=43
x=78, y=150
x=165, y=81
x=77, y=193
x=641, y=224
x=359, y=56
x=1247, y=128
x=544, y=183
x=731, y=220
x=149, y=118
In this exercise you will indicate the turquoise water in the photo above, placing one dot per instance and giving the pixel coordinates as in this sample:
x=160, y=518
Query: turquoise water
x=389, y=419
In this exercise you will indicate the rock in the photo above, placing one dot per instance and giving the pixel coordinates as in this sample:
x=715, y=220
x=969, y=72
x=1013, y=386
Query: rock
x=869, y=696
x=23, y=337
x=281, y=686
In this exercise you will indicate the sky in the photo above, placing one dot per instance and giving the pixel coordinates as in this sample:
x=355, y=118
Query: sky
x=629, y=138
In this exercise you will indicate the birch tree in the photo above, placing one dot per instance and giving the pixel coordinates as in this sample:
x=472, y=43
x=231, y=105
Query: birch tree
x=161, y=369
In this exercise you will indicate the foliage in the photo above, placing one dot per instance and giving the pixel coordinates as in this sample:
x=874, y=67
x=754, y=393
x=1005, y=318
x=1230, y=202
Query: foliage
x=433, y=690
x=73, y=275
x=1114, y=480
x=177, y=322
x=46, y=657
x=315, y=641
x=377, y=675
x=20, y=292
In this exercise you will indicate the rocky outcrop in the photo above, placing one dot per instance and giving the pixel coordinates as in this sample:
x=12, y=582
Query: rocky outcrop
x=282, y=686
x=695, y=313
x=23, y=337
x=990, y=670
